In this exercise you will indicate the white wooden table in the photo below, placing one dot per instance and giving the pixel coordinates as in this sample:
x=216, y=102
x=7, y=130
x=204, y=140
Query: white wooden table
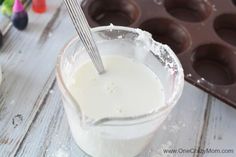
x=32, y=118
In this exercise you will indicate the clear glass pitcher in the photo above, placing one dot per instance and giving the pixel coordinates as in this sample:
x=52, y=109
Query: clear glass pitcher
x=119, y=136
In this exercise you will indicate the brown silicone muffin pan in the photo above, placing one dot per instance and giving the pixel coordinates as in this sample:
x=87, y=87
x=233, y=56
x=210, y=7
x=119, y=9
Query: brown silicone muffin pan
x=202, y=33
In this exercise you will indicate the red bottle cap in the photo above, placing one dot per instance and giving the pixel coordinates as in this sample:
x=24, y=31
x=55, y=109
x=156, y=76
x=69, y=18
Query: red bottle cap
x=39, y=6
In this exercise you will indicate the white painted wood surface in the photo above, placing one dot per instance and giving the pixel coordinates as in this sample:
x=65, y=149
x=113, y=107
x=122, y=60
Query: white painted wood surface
x=32, y=119
x=28, y=60
x=221, y=129
x=4, y=22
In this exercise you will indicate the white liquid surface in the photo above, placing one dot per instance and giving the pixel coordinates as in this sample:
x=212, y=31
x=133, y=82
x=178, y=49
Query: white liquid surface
x=128, y=88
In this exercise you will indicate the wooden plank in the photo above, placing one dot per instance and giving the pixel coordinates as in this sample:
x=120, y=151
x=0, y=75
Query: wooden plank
x=4, y=23
x=28, y=63
x=221, y=131
x=50, y=135
x=183, y=127
x=49, y=118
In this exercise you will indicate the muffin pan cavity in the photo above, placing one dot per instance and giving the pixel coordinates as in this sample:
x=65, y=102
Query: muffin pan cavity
x=234, y=2
x=188, y=10
x=118, y=12
x=225, y=27
x=168, y=32
x=215, y=64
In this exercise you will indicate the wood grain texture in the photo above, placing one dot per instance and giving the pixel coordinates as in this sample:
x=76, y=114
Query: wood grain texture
x=28, y=72
x=50, y=135
x=221, y=130
x=5, y=22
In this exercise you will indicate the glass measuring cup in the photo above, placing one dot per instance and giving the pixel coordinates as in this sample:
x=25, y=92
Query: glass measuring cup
x=119, y=136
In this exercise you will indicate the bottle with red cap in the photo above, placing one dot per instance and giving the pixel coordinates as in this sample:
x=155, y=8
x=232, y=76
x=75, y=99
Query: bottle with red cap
x=39, y=6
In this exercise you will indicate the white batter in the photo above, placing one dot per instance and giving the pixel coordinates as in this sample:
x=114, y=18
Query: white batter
x=128, y=88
